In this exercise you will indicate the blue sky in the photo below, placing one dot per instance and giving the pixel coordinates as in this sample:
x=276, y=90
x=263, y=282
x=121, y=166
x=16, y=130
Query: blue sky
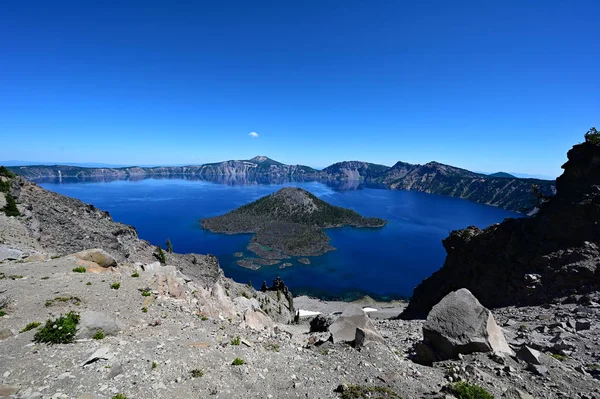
x=484, y=85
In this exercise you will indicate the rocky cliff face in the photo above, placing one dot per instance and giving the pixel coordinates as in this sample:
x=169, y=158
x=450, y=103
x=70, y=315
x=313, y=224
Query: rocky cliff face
x=434, y=178
x=530, y=260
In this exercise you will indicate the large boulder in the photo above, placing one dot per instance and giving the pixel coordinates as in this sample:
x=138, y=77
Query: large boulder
x=344, y=328
x=258, y=320
x=98, y=256
x=92, y=322
x=8, y=253
x=460, y=324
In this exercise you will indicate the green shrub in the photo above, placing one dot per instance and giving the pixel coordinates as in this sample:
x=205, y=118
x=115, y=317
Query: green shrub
x=145, y=309
x=196, y=373
x=119, y=396
x=154, y=365
x=88, y=283
x=115, y=286
x=2, y=313
x=6, y=173
x=169, y=246
x=160, y=255
x=363, y=391
x=98, y=335
x=562, y=358
x=146, y=293
x=136, y=274
x=79, y=270
x=59, y=331
x=31, y=326
x=464, y=390
x=10, y=209
x=238, y=362
x=236, y=341
x=203, y=318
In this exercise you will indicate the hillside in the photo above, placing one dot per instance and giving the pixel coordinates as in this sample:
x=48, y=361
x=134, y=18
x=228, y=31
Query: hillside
x=528, y=261
x=435, y=178
x=288, y=222
x=503, y=175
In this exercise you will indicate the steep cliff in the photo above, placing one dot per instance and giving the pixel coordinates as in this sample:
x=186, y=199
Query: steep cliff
x=530, y=260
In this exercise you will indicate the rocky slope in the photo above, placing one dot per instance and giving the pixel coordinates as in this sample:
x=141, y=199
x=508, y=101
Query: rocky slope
x=510, y=193
x=529, y=260
x=288, y=223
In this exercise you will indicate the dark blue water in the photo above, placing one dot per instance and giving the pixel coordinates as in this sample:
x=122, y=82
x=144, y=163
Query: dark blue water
x=385, y=263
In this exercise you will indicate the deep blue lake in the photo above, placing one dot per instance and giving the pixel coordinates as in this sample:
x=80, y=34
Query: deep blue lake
x=384, y=263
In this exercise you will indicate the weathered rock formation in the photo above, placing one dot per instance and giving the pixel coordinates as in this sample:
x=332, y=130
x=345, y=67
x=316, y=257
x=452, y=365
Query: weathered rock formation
x=459, y=324
x=529, y=260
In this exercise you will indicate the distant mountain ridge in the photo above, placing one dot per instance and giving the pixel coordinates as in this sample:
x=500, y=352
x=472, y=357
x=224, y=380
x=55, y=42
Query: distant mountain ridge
x=510, y=193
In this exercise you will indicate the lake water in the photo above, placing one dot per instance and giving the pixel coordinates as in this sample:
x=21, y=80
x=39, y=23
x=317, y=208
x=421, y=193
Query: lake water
x=384, y=263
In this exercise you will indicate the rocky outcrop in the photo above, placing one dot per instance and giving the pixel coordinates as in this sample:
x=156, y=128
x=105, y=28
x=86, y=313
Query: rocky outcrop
x=459, y=324
x=344, y=328
x=529, y=260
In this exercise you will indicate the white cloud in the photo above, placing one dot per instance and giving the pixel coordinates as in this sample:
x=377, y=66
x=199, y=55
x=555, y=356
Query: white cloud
x=253, y=135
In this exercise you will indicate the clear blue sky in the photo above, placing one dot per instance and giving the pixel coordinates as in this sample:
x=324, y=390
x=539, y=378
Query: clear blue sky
x=485, y=85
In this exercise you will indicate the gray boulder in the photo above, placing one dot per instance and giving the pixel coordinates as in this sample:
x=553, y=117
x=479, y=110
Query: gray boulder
x=91, y=322
x=363, y=336
x=344, y=328
x=321, y=323
x=98, y=256
x=460, y=324
x=8, y=253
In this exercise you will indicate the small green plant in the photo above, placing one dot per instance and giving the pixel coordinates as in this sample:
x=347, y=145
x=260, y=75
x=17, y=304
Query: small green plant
x=59, y=331
x=196, y=373
x=324, y=352
x=115, y=286
x=144, y=310
x=236, y=341
x=169, y=246
x=238, y=362
x=160, y=255
x=31, y=326
x=464, y=390
x=203, y=318
x=154, y=365
x=88, y=283
x=2, y=313
x=72, y=299
x=98, y=335
x=562, y=358
x=119, y=396
x=136, y=274
x=363, y=391
x=273, y=347
x=146, y=293
x=80, y=269
x=592, y=136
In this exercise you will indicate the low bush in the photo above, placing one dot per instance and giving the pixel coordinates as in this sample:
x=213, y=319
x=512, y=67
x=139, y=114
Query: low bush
x=59, y=331
x=238, y=362
x=115, y=286
x=79, y=270
x=31, y=326
x=464, y=390
x=98, y=335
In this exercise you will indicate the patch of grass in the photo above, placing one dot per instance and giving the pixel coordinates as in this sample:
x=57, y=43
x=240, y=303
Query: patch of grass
x=196, y=373
x=145, y=309
x=119, y=396
x=2, y=313
x=98, y=335
x=146, y=292
x=324, y=352
x=273, y=347
x=154, y=365
x=203, y=318
x=14, y=277
x=136, y=274
x=363, y=391
x=72, y=299
x=236, y=341
x=55, y=257
x=562, y=358
x=88, y=283
x=31, y=326
x=238, y=362
x=80, y=269
x=464, y=390
x=115, y=286
x=59, y=331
